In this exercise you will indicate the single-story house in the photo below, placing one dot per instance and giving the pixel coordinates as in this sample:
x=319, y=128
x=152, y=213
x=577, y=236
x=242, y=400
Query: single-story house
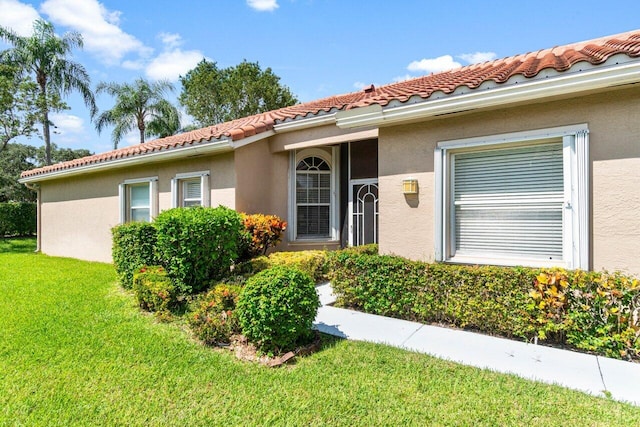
x=529, y=160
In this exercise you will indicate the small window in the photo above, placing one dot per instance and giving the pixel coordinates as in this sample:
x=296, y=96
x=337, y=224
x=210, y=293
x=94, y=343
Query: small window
x=138, y=200
x=191, y=193
x=190, y=189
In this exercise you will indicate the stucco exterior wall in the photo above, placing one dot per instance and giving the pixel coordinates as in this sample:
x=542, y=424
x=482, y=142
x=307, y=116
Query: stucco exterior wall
x=77, y=213
x=407, y=225
x=262, y=171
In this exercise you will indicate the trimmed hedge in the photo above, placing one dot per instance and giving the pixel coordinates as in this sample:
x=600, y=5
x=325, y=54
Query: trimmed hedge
x=597, y=312
x=312, y=262
x=133, y=247
x=197, y=245
x=18, y=219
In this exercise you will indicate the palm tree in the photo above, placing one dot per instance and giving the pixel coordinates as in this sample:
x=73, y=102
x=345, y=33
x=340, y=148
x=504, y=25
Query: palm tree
x=45, y=55
x=142, y=105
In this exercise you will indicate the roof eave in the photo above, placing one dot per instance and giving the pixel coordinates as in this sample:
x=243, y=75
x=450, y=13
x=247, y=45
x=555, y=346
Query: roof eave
x=210, y=147
x=563, y=84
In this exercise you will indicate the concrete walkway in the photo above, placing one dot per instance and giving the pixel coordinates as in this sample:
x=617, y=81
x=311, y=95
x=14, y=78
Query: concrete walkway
x=595, y=375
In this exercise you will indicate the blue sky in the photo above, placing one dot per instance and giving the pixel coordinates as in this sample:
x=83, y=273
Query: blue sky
x=317, y=47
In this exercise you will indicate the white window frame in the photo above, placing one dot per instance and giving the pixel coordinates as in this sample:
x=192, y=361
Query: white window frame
x=177, y=188
x=124, y=195
x=576, y=219
x=332, y=158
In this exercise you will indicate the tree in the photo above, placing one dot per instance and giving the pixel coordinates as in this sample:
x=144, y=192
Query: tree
x=213, y=95
x=18, y=112
x=45, y=56
x=142, y=105
x=17, y=158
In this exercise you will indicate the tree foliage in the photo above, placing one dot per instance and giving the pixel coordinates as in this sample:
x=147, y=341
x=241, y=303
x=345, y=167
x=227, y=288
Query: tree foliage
x=140, y=105
x=17, y=158
x=18, y=111
x=45, y=56
x=213, y=95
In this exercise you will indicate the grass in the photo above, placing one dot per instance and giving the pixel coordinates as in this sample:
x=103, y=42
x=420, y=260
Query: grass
x=74, y=350
x=17, y=245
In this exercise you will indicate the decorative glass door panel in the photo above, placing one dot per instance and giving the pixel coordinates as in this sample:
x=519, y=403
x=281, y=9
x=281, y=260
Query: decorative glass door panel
x=364, y=212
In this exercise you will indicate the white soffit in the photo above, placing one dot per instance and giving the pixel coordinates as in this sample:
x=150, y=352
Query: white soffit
x=331, y=140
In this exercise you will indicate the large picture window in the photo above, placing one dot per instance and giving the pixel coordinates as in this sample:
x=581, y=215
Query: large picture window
x=313, y=194
x=518, y=199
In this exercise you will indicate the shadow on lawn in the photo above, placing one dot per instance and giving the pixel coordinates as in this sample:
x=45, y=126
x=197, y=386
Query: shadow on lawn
x=17, y=245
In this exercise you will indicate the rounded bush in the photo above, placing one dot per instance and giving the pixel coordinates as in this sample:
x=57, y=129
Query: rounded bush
x=214, y=320
x=277, y=307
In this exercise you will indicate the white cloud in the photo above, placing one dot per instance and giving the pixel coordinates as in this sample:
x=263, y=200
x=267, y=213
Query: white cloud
x=403, y=78
x=360, y=85
x=170, y=40
x=18, y=16
x=263, y=5
x=474, y=58
x=434, y=65
x=170, y=65
x=68, y=129
x=173, y=61
x=98, y=26
x=132, y=65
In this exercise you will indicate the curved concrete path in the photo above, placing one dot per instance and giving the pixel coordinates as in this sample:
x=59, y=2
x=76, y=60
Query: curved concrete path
x=596, y=375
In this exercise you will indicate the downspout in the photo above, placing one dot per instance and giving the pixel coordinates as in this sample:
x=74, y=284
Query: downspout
x=36, y=188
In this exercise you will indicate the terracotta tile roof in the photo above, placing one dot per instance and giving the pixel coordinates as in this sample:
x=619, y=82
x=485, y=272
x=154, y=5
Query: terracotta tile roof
x=499, y=71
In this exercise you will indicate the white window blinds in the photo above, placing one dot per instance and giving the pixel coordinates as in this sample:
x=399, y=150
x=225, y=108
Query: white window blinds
x=509, y=202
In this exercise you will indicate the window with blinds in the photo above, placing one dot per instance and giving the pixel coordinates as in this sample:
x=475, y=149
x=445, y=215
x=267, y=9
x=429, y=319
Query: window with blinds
x=509, y=202
x=192, y=193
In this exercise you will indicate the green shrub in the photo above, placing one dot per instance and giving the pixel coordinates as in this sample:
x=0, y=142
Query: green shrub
x=598, y=312
x=197, y=245
x=154, y=289
x=252, y=266
x=488, y=299
x=18, y=219
x=261, y=232
x=383, y=285
x=369, y=249
x=133, y=247
x=277, y=307
x=214, y=320
x=314, y=263
x=484, y=298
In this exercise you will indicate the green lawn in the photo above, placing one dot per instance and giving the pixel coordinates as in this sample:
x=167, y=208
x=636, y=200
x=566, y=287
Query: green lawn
x=74, y=350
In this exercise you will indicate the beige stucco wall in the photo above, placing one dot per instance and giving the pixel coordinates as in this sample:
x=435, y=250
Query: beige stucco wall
x=77, y=213
x=407, y=225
